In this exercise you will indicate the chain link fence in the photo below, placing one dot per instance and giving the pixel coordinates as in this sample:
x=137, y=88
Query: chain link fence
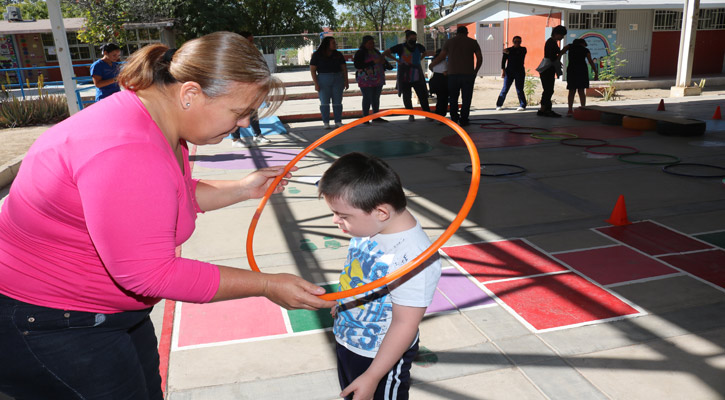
x=290, y=51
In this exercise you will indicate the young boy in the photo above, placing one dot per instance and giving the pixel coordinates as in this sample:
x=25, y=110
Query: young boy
x=377, y=332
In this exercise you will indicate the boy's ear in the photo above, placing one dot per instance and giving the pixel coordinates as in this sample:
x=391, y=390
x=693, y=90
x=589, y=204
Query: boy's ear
x=383, y=212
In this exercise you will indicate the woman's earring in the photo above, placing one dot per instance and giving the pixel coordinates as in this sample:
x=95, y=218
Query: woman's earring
x=188, y=104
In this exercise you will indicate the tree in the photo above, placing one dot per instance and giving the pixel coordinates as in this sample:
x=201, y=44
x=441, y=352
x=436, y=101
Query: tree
x=375, y=15
x=105, y=18
x=269, y=17
x=38, y=9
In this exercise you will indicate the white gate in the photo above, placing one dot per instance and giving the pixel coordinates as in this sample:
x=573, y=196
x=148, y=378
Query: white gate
x=634, y=34
x=490, y=38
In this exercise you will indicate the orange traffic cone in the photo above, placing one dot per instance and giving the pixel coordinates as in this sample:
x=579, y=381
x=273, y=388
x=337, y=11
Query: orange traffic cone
x=661, y=107
x=717, y=113
x=619, y=215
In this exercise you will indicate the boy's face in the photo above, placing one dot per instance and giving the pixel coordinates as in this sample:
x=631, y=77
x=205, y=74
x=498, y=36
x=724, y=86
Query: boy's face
x=354, y=221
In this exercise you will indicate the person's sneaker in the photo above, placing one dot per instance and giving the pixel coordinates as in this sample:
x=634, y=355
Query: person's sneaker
x=499, y=108
x=552, y=114
x=327, y=125
x=521, y=109
x=338, y=124
x=237, y=143
x=261, y=140
x=411, y=118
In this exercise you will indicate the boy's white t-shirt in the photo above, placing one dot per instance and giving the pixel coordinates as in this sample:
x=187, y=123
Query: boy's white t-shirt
x=363, y=321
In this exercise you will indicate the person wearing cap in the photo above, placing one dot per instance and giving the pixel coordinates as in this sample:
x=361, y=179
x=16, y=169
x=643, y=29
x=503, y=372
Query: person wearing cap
x=460, y=51
x=89, y=231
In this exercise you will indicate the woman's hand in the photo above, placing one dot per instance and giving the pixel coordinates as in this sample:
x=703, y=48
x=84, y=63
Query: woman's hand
x=347, y=84
x=257, y=183
x=317, y=87
x=293, y=292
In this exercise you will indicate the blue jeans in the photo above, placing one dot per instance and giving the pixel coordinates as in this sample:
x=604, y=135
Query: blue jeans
x=331, y=87
x=463, y=84
x=508, y=80
x=49, y=353
x=370, y=97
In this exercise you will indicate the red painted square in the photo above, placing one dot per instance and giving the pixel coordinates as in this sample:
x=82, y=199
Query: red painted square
x=653, y=239
x=229, y=320
x=614, y=264
x=553, y=301
x=502, y=260
x=708, y=265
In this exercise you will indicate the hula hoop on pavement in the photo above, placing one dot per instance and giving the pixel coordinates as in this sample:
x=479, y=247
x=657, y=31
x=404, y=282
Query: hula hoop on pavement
x=554, y=135
x=411, y=265
x=631, y=149
x=574, y=142
x=499, y=126
x=527, y=130
x=517, y=169
x=670, y=169
x=486, y=121
x=628, y=158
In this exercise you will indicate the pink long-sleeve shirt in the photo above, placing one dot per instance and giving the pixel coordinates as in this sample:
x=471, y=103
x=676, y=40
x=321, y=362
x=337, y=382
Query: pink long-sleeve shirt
x=96, y=212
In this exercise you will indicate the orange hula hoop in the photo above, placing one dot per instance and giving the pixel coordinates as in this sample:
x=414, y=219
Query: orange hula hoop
x=427, y=253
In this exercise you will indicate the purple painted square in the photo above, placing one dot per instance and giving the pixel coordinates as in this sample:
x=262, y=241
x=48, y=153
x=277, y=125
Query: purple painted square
x=440, y=303
x=461, y=291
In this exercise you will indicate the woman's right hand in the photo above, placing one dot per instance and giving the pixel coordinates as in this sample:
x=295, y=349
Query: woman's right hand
x=293, y=292
x=317, y=87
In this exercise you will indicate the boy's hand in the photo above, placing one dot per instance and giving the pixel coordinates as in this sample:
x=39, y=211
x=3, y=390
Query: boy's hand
x=333, y=311
x=363, y=388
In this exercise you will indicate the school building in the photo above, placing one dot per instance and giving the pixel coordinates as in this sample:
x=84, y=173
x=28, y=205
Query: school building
x=27, y=44
x=647, y=30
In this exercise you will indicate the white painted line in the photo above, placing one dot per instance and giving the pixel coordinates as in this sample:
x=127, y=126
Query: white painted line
x=643, y=280
x=177, y=325
x=554, y=253
x=686, y=252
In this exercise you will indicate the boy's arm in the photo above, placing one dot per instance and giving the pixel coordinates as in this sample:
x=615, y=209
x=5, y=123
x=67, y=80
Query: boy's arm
x=402, y=331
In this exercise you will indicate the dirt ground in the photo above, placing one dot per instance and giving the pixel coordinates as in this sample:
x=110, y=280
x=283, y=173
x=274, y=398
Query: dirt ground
x=17, y=141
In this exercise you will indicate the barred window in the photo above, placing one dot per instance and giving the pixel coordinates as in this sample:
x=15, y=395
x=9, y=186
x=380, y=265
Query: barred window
x=711, y=18
x=593, y=20
x=77, y=49
x=668, y=20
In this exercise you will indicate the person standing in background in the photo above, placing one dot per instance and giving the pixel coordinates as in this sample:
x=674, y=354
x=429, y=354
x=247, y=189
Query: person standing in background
x=105, y=71
x=410, y=71
x=439, y=85
x=370, y=75
x=550, y=69
x=253, y=119
x=329, y=73
x=513, y=72
x=460, y=51
x=577, y=73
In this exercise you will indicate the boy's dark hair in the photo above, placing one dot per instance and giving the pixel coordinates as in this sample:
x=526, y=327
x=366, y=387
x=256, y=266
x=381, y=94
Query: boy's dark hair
x=559, y=30
x=462, y=30
x=409, y=33
x=109, y=47
x=515, y=37
x=245, y=34
x=364, y=181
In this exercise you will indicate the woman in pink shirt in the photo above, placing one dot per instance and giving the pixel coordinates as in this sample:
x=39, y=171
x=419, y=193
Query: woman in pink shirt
x=89, y=230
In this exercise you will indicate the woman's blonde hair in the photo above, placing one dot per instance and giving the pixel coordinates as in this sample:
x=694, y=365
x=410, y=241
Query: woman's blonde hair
x=213, y=61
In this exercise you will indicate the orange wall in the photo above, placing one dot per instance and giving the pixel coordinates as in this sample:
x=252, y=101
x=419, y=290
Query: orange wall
x=532, y=30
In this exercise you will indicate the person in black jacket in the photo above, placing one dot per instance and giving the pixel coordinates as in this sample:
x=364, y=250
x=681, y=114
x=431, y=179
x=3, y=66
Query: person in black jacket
x=551, y=70
x=513, y=71
x=370, y=75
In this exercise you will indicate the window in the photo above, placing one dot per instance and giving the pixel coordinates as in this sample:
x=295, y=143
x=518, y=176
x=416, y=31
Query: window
x=711, y=18
x=593, y=20
x=138, y=38
x=77, y=49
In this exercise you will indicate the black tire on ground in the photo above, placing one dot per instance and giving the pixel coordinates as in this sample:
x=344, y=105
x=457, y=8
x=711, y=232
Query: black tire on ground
x=611, y=119
x=673, y=129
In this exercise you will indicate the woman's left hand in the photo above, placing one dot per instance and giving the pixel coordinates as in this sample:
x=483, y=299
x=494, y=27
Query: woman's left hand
x=347, y=85
x=257, y=183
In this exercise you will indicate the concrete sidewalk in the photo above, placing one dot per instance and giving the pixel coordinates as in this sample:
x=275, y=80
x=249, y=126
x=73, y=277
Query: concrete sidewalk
x=672, y=347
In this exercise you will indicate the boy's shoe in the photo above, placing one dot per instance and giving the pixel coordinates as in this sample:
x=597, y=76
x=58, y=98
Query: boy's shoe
x=261, y=139
x=521, y=109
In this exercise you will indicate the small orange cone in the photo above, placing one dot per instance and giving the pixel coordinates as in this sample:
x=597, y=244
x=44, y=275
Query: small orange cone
x=661, y=107
x=619, y=215
x=717, y=113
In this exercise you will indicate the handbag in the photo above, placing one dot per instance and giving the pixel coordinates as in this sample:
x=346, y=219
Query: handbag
x=544, y=65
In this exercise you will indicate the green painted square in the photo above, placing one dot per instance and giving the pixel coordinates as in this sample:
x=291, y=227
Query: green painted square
x=715, y=238
x=306, y=320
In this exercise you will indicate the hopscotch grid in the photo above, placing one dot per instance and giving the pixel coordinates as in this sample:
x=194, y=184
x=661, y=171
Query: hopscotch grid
x=682, y=253
x=673, y=274
x=710, y=245
x=666, y=263
x=555, y=253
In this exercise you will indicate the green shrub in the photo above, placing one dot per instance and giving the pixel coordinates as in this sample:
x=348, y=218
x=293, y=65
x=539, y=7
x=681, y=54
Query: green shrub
x=47, y=109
